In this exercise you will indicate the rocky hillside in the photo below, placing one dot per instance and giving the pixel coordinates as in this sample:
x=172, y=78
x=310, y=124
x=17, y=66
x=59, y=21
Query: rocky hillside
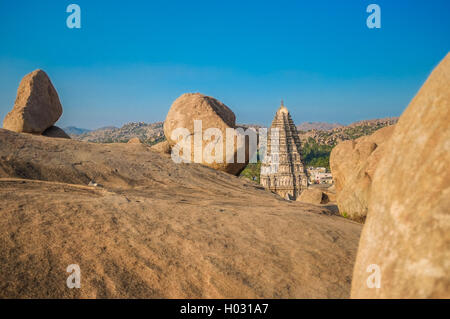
x=156, y=229
x=318, y=144
x=147, y=133
x=320, y=126
x=140, y=226
x=72, y=130
x=344, y=133
x=151, y=133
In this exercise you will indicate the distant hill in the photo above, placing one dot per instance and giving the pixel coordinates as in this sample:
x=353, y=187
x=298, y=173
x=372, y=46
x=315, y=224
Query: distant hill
x=106, y=128
x=321, y=126
x=349, y=132
x=147, y=133
x=376, y=122
x=316, y=142
x=72, y=130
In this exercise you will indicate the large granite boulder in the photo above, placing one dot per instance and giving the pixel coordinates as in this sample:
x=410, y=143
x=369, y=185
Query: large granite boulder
x=54, y=131
x=407, y=232
x=212, y=113
x=37, y=105
x=162, y=147
x=353, y=164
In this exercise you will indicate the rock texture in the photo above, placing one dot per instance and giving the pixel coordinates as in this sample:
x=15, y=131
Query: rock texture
x=324, y=136
x=162, y=147
x=320, y=126
x=156, y=229
x=283, y=170
x=134, y=140
x=313, y=196
x=54, y=131
x=407, y=232
x=148, y=133
x=213, y=114
x=353, y=164
x=331, y=193
x=37, y=105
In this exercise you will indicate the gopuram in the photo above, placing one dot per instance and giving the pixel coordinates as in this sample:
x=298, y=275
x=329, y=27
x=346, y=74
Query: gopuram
x=282, y=169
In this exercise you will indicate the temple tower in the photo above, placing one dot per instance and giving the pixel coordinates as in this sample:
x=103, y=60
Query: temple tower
x=282, y=169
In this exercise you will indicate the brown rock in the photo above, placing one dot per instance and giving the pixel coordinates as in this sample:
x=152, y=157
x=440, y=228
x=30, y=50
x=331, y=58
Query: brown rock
x=213, y=114
x=162, y=147
x=134, y=140
x=407, y=233
x=156, y=229
x=37, y=105
x=353, y=164
x=54, y=131
x=313, y=196
x=331, y=193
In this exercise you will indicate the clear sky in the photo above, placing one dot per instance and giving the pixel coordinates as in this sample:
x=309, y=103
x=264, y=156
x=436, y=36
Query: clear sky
x=131, y=59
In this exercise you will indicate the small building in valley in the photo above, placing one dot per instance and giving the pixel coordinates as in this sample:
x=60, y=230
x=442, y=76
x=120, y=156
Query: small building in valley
x=319, y=175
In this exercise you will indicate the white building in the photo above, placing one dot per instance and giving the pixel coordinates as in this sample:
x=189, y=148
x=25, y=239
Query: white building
x=319, y=175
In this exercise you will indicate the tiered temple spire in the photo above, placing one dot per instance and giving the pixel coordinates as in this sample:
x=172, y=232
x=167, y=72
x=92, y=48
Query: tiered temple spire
x=282, y=170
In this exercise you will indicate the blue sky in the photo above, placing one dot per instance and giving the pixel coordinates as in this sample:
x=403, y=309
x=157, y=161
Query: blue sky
x=132, y=59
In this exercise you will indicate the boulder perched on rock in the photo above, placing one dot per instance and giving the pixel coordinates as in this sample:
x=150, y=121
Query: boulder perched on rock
x=141, y=226
x=162, y=147
x=212, y=114
x=37, y=105
x=353, y=164
x=407, y=232
x=134, y=140
x=313, y=196
x=54, y=131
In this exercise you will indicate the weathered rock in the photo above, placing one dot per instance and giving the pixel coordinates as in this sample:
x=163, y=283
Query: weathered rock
x=162, y=147
x=313, y=196
x=353, y=164
x=331, y=193
x=407, y=233
x=54, y=131
x=212, y=113
x=37, y=105
x=155, y=229
x=134, y=140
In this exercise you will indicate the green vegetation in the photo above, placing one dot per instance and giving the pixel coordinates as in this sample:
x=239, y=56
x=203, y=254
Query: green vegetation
x=317, y=155
x=252, y=171
x=363, y=130
x=313, y=155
